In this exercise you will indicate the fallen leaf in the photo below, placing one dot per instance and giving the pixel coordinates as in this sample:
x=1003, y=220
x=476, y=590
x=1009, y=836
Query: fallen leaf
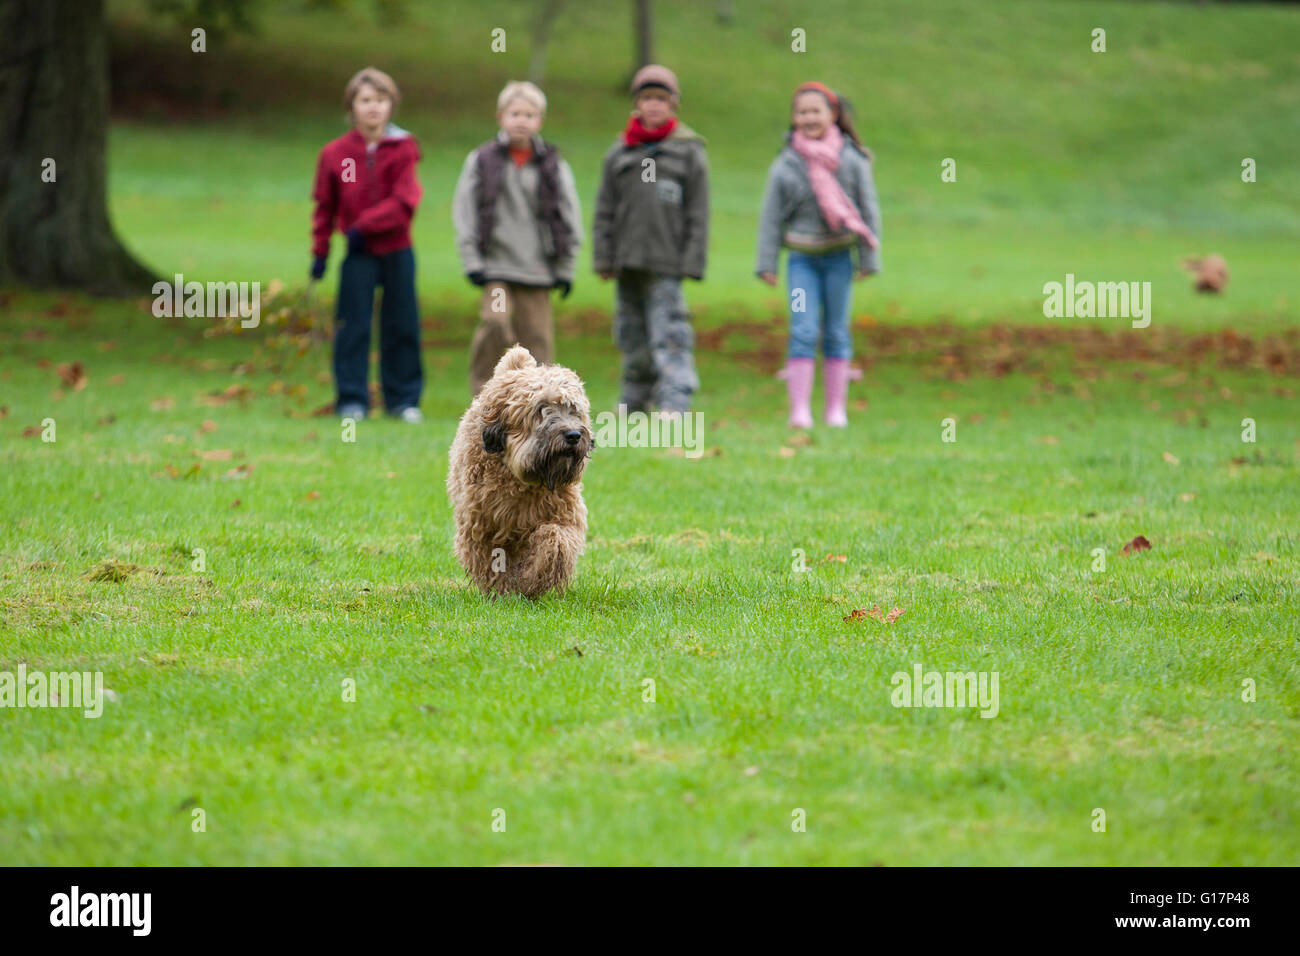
x=1169, y=458
x=208, y=425
x=72, y=374
x=841, y=558
x=1187, y=496
x=215, y=454
x=785, y=452
x=876, y=614
x=1050, y=440
x=229, y=394
x=164, y=404
x=118, y=379
x=313, y=495
x=1137, y=544
x=238, y=474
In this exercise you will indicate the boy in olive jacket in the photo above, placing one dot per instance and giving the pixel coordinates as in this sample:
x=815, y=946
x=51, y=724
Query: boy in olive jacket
x=651, y=229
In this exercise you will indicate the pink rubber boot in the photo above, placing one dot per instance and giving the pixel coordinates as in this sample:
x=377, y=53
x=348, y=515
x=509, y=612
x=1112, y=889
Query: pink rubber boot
x=836, y=373
x=799, y=383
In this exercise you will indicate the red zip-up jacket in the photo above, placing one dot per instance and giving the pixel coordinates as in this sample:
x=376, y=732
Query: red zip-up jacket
x=377, y=192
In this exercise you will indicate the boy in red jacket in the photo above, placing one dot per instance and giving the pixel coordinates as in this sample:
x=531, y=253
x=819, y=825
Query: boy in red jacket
x=365, y=181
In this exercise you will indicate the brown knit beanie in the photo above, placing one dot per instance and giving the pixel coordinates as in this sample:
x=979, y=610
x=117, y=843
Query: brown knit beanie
x=655, y=76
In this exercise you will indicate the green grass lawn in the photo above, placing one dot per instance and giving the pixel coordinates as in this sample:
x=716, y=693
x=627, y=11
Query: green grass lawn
x=327, y=561
x=331, y=561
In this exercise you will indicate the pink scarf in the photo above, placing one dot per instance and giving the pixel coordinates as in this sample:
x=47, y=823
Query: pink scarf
x=822, y=158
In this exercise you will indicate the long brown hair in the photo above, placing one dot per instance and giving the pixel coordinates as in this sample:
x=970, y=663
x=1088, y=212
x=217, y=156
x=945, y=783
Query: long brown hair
x=840, y=107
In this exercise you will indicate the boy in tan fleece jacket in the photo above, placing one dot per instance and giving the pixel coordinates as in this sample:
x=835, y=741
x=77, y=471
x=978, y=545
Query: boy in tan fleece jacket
x=518, y=229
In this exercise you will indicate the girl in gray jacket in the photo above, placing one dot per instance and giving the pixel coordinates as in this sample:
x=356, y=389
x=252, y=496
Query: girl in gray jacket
x=820, y=203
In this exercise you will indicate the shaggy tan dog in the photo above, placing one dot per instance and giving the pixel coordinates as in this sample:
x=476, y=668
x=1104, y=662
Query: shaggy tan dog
x=514, y=477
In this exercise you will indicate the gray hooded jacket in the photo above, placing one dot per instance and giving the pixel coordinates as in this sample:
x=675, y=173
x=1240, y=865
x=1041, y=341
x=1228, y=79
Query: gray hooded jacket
x=792, y=218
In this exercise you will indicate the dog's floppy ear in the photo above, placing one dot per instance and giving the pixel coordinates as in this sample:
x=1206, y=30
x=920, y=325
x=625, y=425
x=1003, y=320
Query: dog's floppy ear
x=516, y=357
x=494, y=438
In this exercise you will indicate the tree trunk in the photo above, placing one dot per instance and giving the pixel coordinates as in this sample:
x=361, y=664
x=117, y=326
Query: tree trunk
x=645, y=34
x=54, y=106
x=547, y=11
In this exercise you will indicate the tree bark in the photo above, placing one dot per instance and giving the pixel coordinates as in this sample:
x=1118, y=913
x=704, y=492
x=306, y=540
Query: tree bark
x=547, y=11
x=645, y=34
x=54, y=106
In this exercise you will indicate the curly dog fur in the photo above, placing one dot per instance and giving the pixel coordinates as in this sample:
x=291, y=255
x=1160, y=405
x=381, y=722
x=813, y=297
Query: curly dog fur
x=514, y=477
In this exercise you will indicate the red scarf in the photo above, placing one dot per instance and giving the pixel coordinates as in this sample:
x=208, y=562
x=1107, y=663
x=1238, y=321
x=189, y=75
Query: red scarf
x=636, y=134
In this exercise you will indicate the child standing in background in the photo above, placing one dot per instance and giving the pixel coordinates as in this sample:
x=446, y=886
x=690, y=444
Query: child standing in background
x=651, y=229
x=365, y=183
x=518, y=229
x=820, y=203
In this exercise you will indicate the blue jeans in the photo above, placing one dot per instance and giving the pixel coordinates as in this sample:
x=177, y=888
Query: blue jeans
x=826, y=284
x=400, y=371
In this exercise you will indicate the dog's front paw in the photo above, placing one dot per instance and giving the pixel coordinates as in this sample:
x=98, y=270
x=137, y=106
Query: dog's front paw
x=549, y=559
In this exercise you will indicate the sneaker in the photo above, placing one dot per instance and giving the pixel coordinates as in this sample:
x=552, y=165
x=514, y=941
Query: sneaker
x=410, y=414
x=355, y=412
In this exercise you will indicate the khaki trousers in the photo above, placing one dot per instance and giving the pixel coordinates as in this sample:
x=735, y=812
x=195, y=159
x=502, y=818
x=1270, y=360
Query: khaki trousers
x=510, y=314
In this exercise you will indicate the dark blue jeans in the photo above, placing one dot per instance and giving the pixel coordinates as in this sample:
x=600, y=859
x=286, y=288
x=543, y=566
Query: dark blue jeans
x=400, y=371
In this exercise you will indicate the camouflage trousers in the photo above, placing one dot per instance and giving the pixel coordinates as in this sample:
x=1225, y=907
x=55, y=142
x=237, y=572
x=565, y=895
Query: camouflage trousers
x=653, y=330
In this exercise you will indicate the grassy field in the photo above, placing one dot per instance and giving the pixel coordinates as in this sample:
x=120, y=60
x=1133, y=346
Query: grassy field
x=326, y=561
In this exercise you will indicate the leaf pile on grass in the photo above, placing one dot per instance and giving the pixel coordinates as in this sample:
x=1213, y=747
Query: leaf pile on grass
x=118, y=571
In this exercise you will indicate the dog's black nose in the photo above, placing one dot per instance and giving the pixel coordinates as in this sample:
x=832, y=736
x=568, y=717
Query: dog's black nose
x=572, y=436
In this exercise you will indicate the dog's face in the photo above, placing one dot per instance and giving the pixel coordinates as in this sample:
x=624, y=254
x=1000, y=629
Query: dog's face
x=537, y=418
